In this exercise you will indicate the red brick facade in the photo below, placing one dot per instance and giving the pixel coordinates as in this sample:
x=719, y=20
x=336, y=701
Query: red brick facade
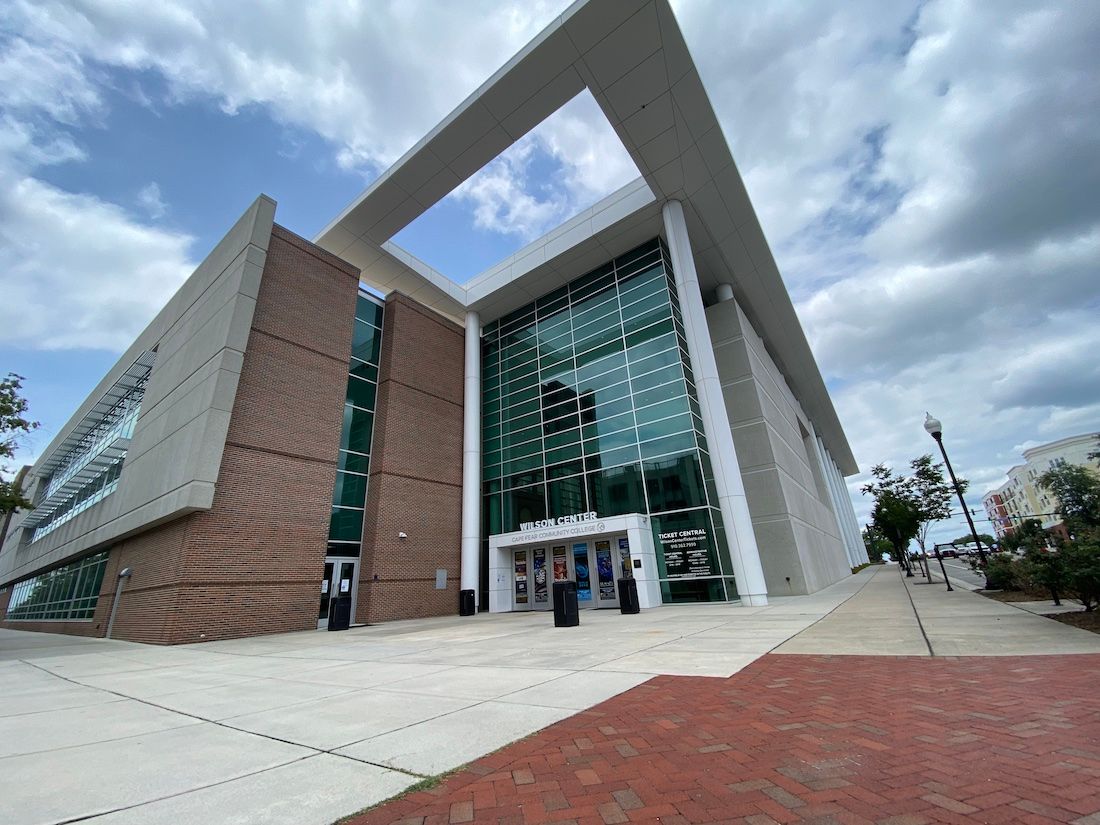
x=416, y=469
x=253, y=563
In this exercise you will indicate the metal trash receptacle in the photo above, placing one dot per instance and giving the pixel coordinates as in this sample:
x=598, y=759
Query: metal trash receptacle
x=628, y=596
x=339, y=613
x=466, y=605
x=566, y=611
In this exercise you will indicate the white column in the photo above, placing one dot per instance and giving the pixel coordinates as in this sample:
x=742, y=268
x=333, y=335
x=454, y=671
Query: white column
x=470, y=577
x=844, y=512
x=850, y=516
x=834, y=496
x=732, y=502
x=724, y=292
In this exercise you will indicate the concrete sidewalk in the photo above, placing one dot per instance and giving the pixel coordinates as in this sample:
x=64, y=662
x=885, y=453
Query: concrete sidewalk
x=307, y=727
x=896, y=616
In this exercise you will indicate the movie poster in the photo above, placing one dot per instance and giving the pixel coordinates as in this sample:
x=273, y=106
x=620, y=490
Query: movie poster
x=624, y=555
x=521, y=577
x=541, y=594
x=561, y=568
x=584, y=577
x=605, y=571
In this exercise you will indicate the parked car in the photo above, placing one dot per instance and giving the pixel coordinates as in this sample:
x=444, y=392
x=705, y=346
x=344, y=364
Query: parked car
x=949, y=553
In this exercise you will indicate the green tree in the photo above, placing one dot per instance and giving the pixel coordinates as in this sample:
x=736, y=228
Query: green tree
x=932, y=493
x=1082, y=563
x=13, y=425
x=876, y=544
x=1078, y=492
x=1030, y=535
x=897, y=514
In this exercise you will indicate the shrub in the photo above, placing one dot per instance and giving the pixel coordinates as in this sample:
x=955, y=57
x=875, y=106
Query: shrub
x=1001, y=573
x=1081, y=559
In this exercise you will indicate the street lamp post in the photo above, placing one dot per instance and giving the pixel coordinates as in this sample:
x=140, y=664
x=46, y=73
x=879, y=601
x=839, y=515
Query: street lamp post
x=935, y=429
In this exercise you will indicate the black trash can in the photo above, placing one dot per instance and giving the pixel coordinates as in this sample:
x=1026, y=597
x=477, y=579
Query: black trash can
x=628, y=596
x=566, y=612
x=339, y=613
x=466, y=603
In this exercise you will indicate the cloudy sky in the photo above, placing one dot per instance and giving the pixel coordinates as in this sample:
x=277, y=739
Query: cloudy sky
x=927, y=174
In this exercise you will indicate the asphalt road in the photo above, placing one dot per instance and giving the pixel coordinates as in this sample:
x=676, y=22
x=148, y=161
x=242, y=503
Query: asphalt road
x=957, y=570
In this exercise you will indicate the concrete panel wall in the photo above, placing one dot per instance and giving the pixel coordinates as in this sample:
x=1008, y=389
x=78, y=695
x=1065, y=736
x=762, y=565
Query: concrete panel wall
x=175, y=454
x=801, y=548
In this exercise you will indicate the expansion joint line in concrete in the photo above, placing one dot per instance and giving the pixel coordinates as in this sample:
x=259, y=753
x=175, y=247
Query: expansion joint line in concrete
x=420, y=777
x=913, y=605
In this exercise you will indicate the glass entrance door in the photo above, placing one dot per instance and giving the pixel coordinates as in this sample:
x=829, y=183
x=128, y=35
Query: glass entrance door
x=339, y=580
x=604, y=590
x=594, y=565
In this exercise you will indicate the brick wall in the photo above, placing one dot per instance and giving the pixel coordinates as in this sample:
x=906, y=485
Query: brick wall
x=253, y=563
x=416, y=469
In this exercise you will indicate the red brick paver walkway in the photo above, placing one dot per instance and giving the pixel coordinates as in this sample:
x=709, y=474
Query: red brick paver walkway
x=847, y=739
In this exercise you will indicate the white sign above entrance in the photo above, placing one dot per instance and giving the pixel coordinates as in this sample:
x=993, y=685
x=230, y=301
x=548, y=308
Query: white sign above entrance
x=576, y=518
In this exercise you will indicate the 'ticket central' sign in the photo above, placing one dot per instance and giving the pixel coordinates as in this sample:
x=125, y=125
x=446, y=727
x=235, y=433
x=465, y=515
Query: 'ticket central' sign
x=576, y=518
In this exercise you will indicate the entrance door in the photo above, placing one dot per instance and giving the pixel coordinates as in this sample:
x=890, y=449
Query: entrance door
x=593, y=565
x=604, y=590
x=339, y=580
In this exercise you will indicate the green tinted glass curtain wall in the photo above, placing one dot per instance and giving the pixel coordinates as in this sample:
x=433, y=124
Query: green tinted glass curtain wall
x=589, y=405
x=349, y=496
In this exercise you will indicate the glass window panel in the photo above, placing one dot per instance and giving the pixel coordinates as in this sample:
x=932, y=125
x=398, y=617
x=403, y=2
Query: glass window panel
x=610, y=442
x=554, y=330
x=647, y=319
x=521, y=437
x=616, y=491
x=665, y=392
x=597, y=337
x=642, y=284
x=668, y=444
x=611, y=424
x=366, y=342
x=664, y=409
x=522, y=505
x=522, y=408
x=524, y=479
x=567, y=469
x=553, y=359
x=666, y=426
x=595, y=277
x=521, y=396
x=350, y=490
x=357, y=430
x=653, y=362
x=599, y=352
x=569, y=452
x=356, y=462
x=367, y=310
x=645, y=294
x=650, y=335
x=566, y=497
x=611, y=458
x=596, y=311
x=560, y=439
x=599, y=383
x=361, y=393
x=523, y=450
x=361, y=369
x=521, y=465
x=512, y=424
x=345, y=525
x=674, y=483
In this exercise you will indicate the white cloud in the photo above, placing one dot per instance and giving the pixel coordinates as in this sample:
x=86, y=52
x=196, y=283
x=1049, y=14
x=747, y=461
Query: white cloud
x=150, y=200
x=75, y=271
x=78, y=272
